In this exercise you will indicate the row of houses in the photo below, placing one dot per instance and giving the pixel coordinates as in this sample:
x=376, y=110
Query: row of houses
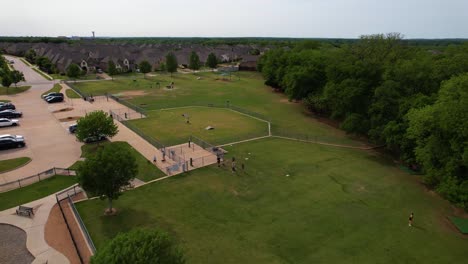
x=93, y=56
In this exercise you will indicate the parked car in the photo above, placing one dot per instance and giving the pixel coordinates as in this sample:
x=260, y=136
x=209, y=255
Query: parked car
x=6, y=106
x=52, y=94
x=72, y=128
x=54, y=99
x=11, y=136
x=5, y=122
x=95, y=139
x=9, y=113
x=8, y=143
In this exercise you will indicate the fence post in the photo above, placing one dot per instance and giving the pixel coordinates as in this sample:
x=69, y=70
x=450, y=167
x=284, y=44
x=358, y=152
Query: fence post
x=55, y=172
x=19, y=183
x=39, y=176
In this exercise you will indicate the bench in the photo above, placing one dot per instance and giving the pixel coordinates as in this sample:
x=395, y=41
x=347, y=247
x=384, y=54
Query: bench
x=25, y=211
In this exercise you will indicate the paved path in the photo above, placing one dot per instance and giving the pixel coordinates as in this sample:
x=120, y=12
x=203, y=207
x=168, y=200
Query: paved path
x=35, y=228
x=48, y=144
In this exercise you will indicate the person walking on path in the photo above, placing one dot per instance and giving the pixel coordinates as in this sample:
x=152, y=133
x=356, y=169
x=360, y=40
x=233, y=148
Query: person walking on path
x=411, y=219
x=218, y=160
x=163, y=151
x=154, y=159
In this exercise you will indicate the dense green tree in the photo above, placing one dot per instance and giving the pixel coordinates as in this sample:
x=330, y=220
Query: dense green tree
x=30, y=55
x=171, y=63
x=140, y=246
x=194, y=61
x=95, y=124
x=107, y=172
x=6, y=80
x=441, y=134
x=212, y=61
x=73, y=71
x=16, y=77
x=111, y=69
x=144, y=67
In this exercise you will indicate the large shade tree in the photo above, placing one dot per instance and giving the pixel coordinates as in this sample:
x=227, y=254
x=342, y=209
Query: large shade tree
x=194, y=61
x=107, y=172
x=145, y=67
x=212, y=61
x=73, y=71
x=140, y=246
x=96, y=124
x=16, y=77
x=111, y=69
x=171, y=63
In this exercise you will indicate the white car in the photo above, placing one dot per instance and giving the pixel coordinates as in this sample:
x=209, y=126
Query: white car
x=16, y=137
x=5, y=122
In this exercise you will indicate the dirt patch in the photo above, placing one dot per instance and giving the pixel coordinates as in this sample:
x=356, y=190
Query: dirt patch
x=222, y=80
x=63, y=110
x=133, y=93
x=58, y=237
x=70, y=118
x=286, y=101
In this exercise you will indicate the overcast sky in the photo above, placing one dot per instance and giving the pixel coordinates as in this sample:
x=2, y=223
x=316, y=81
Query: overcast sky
x=235, y=18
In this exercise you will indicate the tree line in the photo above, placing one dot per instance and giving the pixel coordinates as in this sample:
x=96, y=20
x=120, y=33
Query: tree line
x=412, y=99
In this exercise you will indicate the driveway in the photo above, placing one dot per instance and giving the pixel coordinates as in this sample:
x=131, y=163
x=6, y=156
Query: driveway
x=48, y=144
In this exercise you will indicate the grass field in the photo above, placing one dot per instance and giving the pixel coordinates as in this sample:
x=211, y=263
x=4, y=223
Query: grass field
x=146, y=170
x=13, y=90
x=336, y=206
x=460, y=223
x=249, y=92
x=4, y=101
x=43, y=74
x=170, y=127
x=35, y=191
x=71, y=94
x=10, y=164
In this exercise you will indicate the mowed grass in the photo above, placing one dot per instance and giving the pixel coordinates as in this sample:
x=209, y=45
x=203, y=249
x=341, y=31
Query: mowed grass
x=171, y=128
x=248, y=92
x=146, y=170
x=55, y=89
x=35, y=191
x=336, y=206
x=72, y=94
x=13, y=90
x=10, y=164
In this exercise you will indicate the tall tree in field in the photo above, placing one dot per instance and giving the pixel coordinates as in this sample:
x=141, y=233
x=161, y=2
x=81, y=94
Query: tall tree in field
x=6, y=80
x=107, y=172
x=73, y=71
x=16, y=77
x=171, y=63
x=144, y=67
x=140, y=246
x=194, y=62
x=30, y=55
x=111, y=69
x=212, y=61
x=95, y=124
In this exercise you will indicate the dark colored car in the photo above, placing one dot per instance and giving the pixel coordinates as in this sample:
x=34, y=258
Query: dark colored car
x=6, y=106
x=10, y=114
x=8, y=143
x=52, y=94
x=54, y=99
x=95, y=139
x=72, y=128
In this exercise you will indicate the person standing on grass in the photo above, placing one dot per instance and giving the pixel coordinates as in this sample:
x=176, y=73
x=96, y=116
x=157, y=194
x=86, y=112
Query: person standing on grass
x=233, y=164
x=218, y=160
x=411, y=219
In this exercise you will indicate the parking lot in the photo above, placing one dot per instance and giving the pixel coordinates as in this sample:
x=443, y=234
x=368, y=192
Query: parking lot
x=48, y=143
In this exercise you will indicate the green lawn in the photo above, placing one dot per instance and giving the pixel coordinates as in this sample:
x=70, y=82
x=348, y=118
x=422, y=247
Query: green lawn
x=5, y=101
x=10, y=164
x=249, y=92
x=336, y=206
x=146, y=170
x=57, y=88
x=13, y=90
x=170, y=127
x=35, y=191
x=72, y=94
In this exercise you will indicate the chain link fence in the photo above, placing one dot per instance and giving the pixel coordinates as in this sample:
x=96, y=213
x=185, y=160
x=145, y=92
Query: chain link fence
x=35, y=178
